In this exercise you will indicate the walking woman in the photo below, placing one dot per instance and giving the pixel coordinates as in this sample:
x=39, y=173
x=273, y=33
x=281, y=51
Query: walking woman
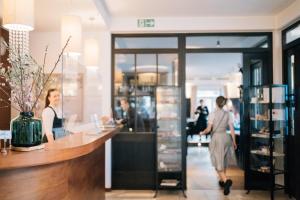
x=52, y=117
x=222, y=145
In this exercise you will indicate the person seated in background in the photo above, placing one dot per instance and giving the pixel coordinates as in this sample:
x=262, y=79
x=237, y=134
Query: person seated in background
x=128, y=117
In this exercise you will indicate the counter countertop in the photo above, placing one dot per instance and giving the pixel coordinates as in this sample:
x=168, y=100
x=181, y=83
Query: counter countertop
x=67, y=148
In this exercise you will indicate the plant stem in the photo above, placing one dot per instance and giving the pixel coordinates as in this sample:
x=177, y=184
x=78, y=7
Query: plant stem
x=44, y=63
x=55, y=65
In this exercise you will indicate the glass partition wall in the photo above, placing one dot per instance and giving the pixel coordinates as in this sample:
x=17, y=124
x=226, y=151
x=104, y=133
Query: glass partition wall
x=135, y=78
x=143, y=62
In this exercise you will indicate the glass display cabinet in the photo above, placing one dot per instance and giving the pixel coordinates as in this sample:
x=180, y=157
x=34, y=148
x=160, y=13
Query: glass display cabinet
x=268, y=131
x=169, y=138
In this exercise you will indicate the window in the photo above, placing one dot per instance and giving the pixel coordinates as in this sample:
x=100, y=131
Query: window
x=146, y=43
x=292, y=34
x=201, y=42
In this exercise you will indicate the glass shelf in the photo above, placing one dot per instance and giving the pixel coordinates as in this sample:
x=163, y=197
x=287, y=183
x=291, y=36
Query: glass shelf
x=265, y=136
x=267, y=129
x=261, y=153
x=169, y=138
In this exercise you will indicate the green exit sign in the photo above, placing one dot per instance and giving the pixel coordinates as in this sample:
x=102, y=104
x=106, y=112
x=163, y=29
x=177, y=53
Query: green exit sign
x=145, y=23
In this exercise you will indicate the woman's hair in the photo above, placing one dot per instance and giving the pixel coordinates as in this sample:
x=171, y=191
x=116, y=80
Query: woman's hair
x=221, y=101
x=47, y=102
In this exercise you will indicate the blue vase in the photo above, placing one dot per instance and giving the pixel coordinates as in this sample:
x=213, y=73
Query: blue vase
x=26, y=131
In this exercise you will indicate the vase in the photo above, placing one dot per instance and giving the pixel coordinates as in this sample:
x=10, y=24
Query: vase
x=26, y=131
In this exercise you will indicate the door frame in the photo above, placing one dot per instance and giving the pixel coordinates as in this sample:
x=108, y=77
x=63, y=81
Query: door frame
x=182, y=50
x=288, y=49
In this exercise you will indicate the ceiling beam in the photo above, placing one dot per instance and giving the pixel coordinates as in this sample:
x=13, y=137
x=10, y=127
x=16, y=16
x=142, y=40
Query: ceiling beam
x=103, y=11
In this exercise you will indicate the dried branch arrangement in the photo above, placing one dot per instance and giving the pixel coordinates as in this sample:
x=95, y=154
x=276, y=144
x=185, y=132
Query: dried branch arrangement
x=25, y=78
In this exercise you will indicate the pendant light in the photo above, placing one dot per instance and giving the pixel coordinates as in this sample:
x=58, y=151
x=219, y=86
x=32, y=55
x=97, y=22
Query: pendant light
x=91, y=53
x=18, y=15
x=71, y=26
x=18, y=19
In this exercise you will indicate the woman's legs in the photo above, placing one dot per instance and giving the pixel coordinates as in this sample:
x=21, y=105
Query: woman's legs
x=224, y=181
x=222, y=175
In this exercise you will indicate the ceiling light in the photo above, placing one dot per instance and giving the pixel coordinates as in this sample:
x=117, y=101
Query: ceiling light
x=18, y=15
x=218, y=43
x=71, y=26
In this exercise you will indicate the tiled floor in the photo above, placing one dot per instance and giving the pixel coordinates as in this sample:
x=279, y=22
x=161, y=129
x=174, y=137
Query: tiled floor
x=202, y=183
x=191, y=195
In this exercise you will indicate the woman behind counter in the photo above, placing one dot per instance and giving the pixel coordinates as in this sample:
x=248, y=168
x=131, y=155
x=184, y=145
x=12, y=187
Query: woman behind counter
x=52, y=116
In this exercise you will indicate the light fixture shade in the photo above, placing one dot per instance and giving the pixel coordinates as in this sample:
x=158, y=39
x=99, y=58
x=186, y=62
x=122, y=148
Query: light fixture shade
x=18, y=15
x=91, y=52
x=71, y=26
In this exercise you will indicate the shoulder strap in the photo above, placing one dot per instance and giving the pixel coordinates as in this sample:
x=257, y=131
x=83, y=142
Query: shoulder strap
x=53, y=111
x=218, y=125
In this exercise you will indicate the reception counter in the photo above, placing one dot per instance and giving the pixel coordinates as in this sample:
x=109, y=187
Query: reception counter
x=72, y=167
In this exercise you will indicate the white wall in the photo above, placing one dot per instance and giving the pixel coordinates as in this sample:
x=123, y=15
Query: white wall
x=196, y=24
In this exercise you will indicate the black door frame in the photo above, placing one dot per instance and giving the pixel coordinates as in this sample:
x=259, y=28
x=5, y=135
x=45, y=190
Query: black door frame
x=182, y=52
x=293, y=141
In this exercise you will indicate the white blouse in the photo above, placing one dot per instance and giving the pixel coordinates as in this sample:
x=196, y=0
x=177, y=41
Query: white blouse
x=48, y=118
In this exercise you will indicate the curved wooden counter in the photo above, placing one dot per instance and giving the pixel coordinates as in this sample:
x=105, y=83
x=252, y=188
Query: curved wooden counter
x=72, y=167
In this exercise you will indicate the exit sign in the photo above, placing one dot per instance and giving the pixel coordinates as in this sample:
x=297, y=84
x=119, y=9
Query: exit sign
x=146, y=23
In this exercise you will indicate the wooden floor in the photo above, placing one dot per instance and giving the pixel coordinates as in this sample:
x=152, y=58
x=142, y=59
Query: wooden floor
x=201, y=174
x=202, y=183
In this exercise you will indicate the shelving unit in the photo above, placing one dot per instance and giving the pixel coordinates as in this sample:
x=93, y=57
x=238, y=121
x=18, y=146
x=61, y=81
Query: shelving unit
x=265, y=169
x=169, y=174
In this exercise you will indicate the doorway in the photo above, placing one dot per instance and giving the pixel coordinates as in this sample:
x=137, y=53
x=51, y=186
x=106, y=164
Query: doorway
x=254, y=51
x=229, y=74
x=209, y=75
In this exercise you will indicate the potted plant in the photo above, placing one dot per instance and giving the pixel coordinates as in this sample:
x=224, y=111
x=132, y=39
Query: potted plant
x=26, y=80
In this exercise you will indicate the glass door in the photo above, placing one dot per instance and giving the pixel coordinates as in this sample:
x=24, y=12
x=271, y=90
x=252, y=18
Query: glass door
x=292, y=59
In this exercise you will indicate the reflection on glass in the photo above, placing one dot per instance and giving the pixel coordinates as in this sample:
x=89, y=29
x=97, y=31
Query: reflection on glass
x=146, y=72
x=146, y=42
x=145, y=114
x=125, y=113
x=124, y=74
x=292, y=34
x=199, y=42
x=256, y=72
x=168, y=69
x=291, y=82
x=291, y=66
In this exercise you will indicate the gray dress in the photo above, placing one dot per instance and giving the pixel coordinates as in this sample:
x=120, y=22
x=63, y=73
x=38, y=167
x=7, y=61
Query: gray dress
x=221, y=147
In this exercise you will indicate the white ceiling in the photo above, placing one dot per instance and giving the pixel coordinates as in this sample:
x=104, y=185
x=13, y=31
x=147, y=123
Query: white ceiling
x=48, y=13
x=194, y=8
x=211, y=65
